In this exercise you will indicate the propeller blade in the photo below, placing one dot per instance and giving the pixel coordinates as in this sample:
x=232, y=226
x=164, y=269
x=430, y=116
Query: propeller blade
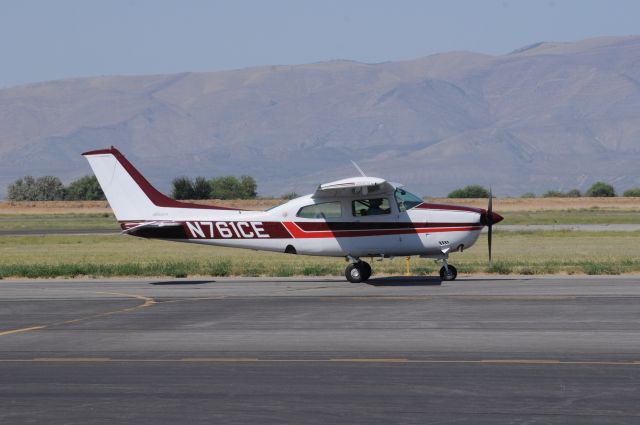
x=490, y=209
x=490, y=223
x=489, y=239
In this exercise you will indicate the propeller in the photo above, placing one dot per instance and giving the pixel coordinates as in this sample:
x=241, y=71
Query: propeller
x=489, y=219
x=490, y=223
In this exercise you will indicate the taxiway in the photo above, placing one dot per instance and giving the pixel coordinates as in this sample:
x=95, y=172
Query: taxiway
x=478, y=350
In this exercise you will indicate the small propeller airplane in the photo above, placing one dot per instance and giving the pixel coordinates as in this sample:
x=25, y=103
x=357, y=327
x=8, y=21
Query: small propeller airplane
x=351, y=218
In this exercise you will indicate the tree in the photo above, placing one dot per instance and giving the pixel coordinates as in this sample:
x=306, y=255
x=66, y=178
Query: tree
x=573, y=193
x=227, y=187
x=553, y=194
x=528, y=195
x=182, y=188
x=47, y=188
x=601, y=189
x=201, y=188
x=471, y=191
x=635, y=192
x=22, y=189
x=85, y=188
x=248, y=187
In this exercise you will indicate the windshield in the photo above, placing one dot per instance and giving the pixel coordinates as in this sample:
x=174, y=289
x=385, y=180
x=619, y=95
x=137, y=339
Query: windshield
x=406, y=200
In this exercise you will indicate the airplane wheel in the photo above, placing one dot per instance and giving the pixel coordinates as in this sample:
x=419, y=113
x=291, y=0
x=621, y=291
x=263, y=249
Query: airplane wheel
x=354, y=273
x=453, y=273
x=366, y=270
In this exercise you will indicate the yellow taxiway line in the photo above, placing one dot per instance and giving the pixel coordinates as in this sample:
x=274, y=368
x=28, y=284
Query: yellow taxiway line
x=148, y=302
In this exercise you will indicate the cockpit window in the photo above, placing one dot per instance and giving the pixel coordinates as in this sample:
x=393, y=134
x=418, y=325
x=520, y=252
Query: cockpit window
x=406, y=200
x=324, y=210
x=365, y=207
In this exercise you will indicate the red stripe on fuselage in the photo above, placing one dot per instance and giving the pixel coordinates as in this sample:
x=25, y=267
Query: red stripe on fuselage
x=298, y=233
x=315, y=230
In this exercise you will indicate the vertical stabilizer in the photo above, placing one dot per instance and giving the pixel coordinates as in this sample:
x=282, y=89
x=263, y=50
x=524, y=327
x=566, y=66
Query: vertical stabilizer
x=130, y=195
x=126, y=198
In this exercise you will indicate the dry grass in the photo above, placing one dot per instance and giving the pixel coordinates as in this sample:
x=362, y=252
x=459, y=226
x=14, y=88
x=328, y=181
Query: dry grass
x=549, y=204
x=98, y=207
x=500, y=204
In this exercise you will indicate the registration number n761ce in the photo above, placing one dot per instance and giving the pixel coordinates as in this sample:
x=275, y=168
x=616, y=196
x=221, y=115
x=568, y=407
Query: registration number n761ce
x=226, y=229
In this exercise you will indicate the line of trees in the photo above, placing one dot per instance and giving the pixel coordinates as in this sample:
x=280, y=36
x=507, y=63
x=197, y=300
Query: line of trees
x=226, y=187
x=87, y=188
x=50, y=188
x=598, y=189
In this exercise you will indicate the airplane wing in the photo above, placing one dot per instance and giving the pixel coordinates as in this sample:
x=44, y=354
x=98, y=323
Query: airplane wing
x=354, y=186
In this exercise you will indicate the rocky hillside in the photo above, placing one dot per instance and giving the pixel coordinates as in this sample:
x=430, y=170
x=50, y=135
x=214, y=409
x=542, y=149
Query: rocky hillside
x=548, y=116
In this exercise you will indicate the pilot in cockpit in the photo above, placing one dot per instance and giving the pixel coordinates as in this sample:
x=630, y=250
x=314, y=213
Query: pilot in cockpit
x=374, y=207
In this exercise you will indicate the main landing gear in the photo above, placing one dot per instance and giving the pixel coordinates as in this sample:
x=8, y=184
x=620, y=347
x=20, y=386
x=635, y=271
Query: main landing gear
x=358, y=271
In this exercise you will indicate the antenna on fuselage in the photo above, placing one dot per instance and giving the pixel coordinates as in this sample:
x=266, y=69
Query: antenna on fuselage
x=359, y=169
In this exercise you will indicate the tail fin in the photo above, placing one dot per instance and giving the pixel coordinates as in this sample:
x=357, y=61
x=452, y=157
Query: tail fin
x=130, y=195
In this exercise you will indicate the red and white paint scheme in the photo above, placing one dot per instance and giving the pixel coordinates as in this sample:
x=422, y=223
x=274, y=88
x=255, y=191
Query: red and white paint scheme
x=351, y=218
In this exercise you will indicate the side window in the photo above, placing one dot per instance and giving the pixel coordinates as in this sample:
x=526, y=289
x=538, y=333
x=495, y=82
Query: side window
x=324, y=210
x=366, y=207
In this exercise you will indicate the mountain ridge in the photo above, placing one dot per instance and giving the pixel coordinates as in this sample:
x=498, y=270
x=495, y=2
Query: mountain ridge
x=553, y=116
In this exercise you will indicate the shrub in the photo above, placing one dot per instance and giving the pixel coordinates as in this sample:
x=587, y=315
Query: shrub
x=528, y=195
x=290, y=195
x=85, y=188
x=573, y=193
x=553, y=194
x=634, y=192
x=601, y=189
x=471, y=191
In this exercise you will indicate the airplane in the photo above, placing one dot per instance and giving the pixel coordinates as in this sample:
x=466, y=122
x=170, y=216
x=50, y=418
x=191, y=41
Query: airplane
x=352, y=218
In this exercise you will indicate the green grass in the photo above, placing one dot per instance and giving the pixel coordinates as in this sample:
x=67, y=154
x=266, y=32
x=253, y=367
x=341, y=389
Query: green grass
x=531, y=253
x=107, y=222
x=18, y=222
x=577, y=216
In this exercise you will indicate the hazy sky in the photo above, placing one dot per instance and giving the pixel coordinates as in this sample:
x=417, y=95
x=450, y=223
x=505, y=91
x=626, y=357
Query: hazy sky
x=45, y=40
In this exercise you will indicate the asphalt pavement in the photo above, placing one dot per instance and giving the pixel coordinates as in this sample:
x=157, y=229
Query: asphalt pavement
x=480, y=350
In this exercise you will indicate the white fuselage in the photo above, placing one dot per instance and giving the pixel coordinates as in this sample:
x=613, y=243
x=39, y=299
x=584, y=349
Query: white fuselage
x=421, y=230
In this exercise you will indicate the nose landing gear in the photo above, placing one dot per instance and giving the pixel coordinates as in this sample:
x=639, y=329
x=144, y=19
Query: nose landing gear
x=448, y=272
x=358, y=271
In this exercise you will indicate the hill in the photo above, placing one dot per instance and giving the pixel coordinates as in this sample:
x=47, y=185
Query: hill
x=547, y=116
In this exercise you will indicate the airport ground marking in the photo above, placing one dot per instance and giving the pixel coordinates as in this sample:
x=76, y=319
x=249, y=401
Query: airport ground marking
x=15, y=331
x=148, y=302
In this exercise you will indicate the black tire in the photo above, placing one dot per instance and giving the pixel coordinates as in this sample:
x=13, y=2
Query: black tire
x=365, y=268
x=353, y=273
x=453, y=273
